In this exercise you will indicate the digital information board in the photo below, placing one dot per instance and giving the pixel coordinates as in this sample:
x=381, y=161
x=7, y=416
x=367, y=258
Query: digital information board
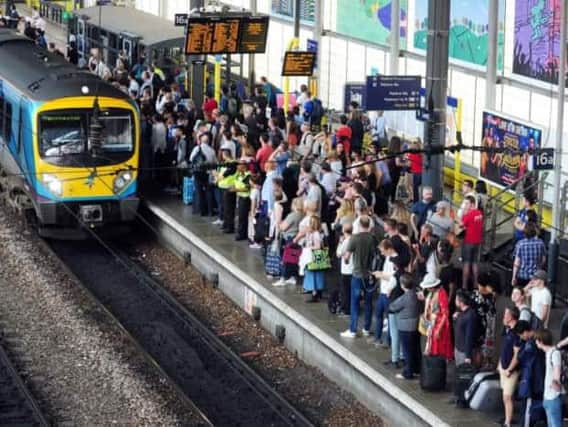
x=298, y=64
x=218, y=35
x=390, y=93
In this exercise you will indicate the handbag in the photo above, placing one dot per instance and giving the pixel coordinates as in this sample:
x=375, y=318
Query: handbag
x=291, y=254
x=423, y=326
x=320, y=260
x=272, y=260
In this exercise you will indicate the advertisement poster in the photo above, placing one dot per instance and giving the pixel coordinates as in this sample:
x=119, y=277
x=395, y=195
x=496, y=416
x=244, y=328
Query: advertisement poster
x=537, y=39
x=468, y=30
x=285, y=8
x=499, y=132
x=370, y=20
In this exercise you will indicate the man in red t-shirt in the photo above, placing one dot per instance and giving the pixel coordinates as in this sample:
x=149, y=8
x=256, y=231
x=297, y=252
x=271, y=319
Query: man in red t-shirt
x=472, y=224
x=264, y=152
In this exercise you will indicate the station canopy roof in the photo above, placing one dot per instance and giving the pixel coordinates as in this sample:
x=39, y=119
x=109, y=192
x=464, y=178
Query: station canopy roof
x=154, y=32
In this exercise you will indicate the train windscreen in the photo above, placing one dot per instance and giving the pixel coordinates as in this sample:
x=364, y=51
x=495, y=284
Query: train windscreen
x=64, y=137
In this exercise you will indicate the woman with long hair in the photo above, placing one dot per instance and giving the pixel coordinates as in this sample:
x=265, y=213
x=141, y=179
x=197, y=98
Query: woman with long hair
x=314, y=281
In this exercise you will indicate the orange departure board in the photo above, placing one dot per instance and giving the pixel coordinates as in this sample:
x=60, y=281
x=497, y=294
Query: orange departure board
x=299, y=63
x=254, y=31
x=228, y=34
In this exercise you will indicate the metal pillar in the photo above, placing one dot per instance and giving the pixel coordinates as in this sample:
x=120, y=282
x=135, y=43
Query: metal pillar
x=395, y=37
x=436, y=92
x=491, y=79
x=252, y=58
x=292, y=46
x=558, y=207
x=297, y=6
x=317, y=35
x=197, y=65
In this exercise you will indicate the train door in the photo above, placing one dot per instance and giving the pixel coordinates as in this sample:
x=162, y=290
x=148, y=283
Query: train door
x=105, y=48
x=82, y=39
x=128, y=46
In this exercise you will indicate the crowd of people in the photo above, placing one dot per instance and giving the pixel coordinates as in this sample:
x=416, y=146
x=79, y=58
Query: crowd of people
x=343, y=211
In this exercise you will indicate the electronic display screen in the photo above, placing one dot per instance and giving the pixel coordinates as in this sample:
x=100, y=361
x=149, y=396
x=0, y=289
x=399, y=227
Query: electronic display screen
x=226, y=35
x=299, y=64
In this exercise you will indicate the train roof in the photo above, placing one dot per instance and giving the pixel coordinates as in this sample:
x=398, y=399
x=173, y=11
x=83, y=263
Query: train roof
x=153, y=31
x=42, y=75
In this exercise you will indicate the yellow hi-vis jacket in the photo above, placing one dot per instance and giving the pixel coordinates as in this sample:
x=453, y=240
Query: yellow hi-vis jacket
x=241, y=179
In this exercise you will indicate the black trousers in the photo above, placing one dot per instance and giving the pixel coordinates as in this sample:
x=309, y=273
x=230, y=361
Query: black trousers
x=243, y=208
x=229, y=205
x=411, y=352
x=346, y=293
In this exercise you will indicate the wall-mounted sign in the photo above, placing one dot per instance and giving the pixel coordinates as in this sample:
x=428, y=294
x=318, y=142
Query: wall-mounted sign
x=388, y=93
x=180, y=19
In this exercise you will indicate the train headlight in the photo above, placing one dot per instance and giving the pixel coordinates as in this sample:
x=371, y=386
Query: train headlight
x=53, y=184
x=122, y=180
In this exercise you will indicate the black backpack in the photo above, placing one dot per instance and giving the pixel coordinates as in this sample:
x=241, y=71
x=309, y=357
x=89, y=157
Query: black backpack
x=534, y=320
x=317, y=110
x=198, y=165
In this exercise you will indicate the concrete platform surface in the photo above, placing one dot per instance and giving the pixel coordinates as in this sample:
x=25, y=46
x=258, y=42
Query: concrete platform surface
x=215, y=253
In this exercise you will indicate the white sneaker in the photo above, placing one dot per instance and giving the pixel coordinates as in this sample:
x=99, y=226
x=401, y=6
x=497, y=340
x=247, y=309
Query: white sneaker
x=269, y=276
x=366, y=333
x=255, y=246
x=217, y=222
x=279, y=282
x=291, y=281
x=347, y=334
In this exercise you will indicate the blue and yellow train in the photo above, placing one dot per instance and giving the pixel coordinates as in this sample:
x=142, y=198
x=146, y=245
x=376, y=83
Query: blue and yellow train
x=49, y=167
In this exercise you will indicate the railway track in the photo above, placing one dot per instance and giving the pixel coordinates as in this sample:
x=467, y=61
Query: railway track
x=17, y=405
x=217, y=380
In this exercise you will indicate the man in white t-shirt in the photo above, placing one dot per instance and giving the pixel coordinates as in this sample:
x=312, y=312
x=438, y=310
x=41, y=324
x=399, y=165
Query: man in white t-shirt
x=553, y=389
x=541, y=298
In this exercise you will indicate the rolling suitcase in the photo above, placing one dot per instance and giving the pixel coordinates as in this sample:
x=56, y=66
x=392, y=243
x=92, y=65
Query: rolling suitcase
x=465, y=374
x=188, y=189
x=433, y=373
x=484, y=394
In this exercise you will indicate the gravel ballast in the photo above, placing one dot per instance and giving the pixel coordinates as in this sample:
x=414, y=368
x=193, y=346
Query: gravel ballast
x=78, y=363
x=321, y=400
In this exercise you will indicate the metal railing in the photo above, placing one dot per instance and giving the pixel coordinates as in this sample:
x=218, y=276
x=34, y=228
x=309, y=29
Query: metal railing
x=55, y=13
x=500, y=204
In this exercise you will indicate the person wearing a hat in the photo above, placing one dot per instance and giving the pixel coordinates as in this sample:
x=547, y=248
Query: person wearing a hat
x=437, y=319
x=541, y=298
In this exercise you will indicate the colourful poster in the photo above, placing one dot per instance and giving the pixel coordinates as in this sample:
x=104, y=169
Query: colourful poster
x=285, y=8
x=370, y=20
x=468, y=30
x=537, y=39
x=515, y=139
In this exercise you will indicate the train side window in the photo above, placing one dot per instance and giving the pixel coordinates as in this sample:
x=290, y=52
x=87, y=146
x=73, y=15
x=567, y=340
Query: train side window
x=8, y=122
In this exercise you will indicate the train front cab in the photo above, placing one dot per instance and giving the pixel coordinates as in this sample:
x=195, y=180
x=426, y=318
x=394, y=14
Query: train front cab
x=74, y=189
